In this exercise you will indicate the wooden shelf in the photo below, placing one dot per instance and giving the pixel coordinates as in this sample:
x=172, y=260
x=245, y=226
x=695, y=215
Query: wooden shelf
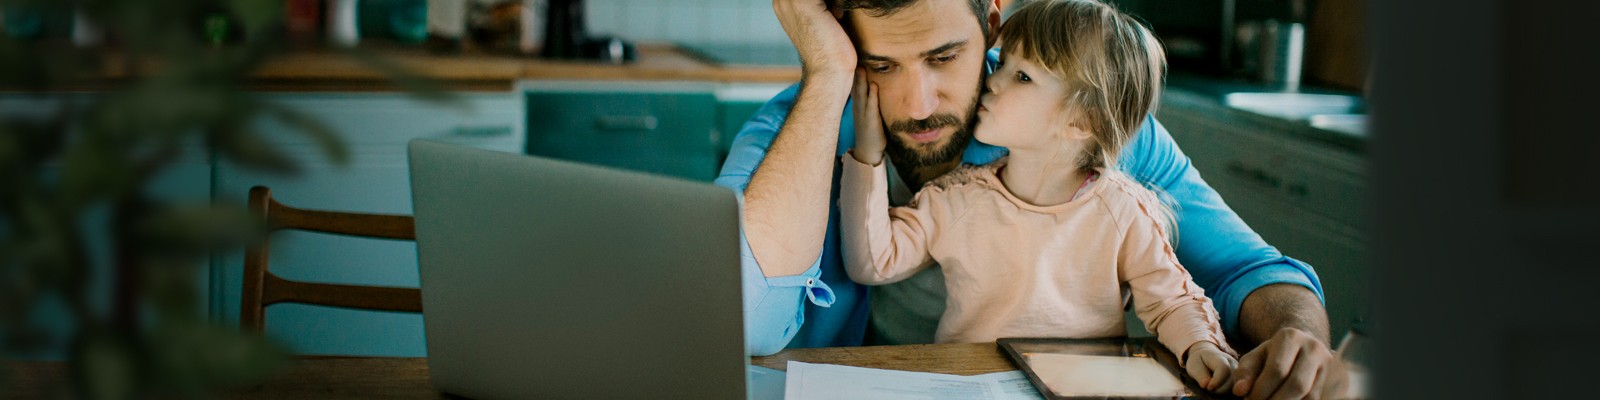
x=324, y=69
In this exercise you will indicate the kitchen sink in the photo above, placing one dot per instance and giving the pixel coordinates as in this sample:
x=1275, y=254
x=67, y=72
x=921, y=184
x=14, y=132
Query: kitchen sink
x=1353, y=124
x=1294, y=106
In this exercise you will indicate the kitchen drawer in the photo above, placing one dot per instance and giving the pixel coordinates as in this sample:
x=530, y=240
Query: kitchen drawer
x=1258, y=162
x=670, y=131
x=1298, y=177
x=700, y=168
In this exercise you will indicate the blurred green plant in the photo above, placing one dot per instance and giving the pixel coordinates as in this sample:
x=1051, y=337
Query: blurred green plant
x=139, y=329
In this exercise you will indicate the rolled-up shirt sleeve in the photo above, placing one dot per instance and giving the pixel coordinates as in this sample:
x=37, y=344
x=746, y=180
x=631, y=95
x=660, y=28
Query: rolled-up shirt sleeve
x=1223, y=254
x=773, y=307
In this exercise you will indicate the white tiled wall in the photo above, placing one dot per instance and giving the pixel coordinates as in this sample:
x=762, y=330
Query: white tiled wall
x=691, y=21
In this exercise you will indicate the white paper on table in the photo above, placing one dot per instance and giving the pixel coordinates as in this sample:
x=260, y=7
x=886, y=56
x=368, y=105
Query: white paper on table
x=807, y=381
x=1013, y=385
x=1082, y=375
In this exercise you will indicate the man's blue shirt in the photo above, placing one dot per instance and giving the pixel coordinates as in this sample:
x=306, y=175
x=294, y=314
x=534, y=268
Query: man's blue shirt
x=823, y=308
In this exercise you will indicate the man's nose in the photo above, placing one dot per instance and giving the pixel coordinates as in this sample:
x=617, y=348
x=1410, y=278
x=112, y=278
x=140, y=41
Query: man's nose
x=924, y=96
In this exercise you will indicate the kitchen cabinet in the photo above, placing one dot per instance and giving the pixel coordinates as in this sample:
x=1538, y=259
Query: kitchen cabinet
x=666, y=128
x=1305, y=197
x=376, y=128
x=736, y=103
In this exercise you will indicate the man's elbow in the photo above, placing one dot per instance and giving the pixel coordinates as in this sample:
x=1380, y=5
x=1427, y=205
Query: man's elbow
x=769, y=329
x=764, y=348
x=766, y=345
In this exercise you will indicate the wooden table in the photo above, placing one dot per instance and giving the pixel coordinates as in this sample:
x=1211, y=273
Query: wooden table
x=407, y=378
x=959, y=359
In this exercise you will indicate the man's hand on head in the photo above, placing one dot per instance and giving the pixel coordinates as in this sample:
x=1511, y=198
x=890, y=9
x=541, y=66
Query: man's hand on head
x=825, y=50
x=787, y=200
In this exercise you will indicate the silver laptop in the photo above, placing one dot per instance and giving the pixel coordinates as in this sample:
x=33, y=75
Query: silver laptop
x=556, y=280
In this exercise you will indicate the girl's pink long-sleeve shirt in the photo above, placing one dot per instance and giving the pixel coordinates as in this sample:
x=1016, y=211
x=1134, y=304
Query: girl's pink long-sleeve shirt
x=1014, y=269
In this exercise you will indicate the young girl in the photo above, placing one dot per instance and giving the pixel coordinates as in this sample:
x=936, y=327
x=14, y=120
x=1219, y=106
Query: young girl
x=1050, y=241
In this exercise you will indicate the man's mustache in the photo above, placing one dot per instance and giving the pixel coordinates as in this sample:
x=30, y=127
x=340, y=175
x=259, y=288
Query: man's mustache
x=919, y=125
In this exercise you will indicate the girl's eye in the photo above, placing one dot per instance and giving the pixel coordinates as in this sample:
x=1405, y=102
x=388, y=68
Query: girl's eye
x=1023, y=77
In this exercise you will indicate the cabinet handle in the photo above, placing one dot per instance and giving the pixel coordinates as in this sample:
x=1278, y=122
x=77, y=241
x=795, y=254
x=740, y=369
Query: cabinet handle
x=1266, y=179
x=626, y=122
x=1253, y=174
x=481, y=131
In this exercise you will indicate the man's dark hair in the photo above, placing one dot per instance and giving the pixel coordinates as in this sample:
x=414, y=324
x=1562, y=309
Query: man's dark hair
x=880, y=8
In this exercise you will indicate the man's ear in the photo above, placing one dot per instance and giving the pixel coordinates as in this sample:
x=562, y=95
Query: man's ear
x=994, y=24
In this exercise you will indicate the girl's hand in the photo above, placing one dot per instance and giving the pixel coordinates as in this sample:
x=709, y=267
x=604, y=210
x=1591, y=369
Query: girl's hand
x=869, y=123
x=1209, y=366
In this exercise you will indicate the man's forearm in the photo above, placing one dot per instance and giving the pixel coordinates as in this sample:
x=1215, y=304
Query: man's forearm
x=1272, y=308
x=786, y=203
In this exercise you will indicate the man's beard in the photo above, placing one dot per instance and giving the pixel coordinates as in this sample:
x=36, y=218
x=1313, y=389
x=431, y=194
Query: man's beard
x=909, y=157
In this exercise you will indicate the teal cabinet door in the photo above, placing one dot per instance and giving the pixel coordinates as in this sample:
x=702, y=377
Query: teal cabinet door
x=376, y=127
x=736, y=103
x=661, y=128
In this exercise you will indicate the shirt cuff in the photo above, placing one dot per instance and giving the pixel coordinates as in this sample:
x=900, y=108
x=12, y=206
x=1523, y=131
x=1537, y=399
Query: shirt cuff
x=818, y=292
x=1290, y=271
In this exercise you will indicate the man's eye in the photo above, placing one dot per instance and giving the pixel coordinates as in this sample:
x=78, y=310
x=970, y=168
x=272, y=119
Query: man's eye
x=880, y=69
x=1023, y=77
x=943, y=59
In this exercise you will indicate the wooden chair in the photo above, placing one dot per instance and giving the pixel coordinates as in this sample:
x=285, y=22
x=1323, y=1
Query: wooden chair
x=262, y=288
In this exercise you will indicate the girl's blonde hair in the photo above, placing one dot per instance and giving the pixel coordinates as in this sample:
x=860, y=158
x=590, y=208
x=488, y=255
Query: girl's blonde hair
x=1111, y=63
x=1113, y=67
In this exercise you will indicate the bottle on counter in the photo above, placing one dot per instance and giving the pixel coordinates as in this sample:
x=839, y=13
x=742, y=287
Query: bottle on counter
x=301, y=20
x=343, y=30
x=564, y=32
x=84, y=32
x=408, y=21
x=533, y=19
x=218, y=26
x=447, y=25
x=502, y=26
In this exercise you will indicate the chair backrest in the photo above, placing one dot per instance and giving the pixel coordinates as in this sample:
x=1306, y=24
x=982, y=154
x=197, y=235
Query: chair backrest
x=262, y=288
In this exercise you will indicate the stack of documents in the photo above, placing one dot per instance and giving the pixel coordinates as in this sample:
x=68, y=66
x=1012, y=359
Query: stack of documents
x=826, y=381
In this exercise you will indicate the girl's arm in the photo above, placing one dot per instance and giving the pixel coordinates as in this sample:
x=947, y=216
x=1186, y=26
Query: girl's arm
x=1164, y=294
x=881, y=245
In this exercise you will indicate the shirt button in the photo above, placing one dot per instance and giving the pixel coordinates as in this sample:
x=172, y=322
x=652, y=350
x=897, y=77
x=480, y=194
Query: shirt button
x=810, y=282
